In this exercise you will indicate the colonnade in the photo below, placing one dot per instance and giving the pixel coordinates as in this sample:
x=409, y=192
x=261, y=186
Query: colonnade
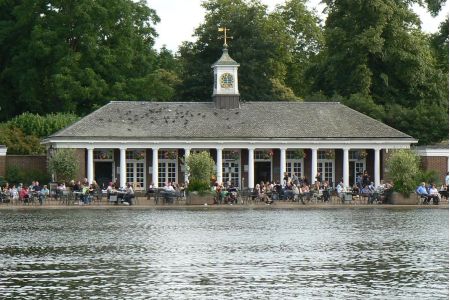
x=251, y=164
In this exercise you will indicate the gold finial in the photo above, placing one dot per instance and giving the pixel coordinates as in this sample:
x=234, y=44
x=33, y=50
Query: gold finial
x=225, y=37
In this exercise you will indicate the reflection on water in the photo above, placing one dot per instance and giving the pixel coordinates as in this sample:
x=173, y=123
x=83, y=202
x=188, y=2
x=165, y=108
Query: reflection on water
x=241, y=254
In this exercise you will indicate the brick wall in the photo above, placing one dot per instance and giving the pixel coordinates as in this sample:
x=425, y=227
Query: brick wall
x=2, y=166
x=26, y=162
x=435, y=163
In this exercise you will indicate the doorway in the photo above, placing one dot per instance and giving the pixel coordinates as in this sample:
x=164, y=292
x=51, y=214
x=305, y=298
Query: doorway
x=103, y=173
x=263, y=171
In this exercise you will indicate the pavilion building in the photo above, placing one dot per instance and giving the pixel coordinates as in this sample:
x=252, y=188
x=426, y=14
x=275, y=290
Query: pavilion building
x=145, y=142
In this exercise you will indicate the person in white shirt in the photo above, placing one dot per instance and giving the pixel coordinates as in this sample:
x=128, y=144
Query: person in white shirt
x=434, y=193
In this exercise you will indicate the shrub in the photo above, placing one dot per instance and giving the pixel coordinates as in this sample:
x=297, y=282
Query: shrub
x=404, y=169
x=200, y=167
x=428, y=176
x=42, y=126
x=63, y=164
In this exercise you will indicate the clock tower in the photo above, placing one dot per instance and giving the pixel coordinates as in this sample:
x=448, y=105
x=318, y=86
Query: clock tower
x=225, y=91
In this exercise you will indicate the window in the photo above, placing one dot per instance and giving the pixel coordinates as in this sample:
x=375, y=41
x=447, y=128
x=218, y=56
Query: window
x=231, y=166
x=294, y=167
x=167, y=166
x=263, y=154
x=326, y=169
x=135, y=168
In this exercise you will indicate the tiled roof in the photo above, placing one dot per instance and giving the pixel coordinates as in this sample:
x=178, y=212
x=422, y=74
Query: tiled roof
x=253, y=120
x=225, y=60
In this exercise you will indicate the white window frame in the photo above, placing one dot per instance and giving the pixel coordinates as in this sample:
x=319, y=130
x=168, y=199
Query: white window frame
x=322, y=173
x=166, y=161
x=291, y=162
x=134, y=162
x=227, y=175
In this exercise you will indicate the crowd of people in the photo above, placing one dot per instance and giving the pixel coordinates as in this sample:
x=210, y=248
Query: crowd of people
x=24, y=194
x=429, y=192
x=291, y=188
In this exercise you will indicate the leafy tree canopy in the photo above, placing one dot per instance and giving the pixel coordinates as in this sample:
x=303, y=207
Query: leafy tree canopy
x=74, y=56
x=266, y=46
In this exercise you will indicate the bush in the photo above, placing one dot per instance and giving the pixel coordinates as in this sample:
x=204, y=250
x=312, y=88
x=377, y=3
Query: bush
x=63, y=165
x=19, y=143
x=404, y=170
x=428, y=176
x=195, y=185
x=200, y=167
x=42, y=126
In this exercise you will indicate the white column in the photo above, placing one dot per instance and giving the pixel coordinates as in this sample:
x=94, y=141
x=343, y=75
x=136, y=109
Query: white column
x=345, y=170
x=377, y=167
x=313, y=165
x=187, y=151
x=90, y=164
x=123, y=167
x=251, y=168
x=219, y=165
x=282, y=164
x=155, y=167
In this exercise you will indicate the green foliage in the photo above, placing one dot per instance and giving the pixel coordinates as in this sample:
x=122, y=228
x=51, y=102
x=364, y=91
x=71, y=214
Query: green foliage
x=15, y=175
x=377, y=58
x=63, y=164
x=19, y=143
x=430, y=176
x=201, y=168
x=404, y=169
x=197, y=185
x=266, y=46
x=73, y=56
x=42, y=126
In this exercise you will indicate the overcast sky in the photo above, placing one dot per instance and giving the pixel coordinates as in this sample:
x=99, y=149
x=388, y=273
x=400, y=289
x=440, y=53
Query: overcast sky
x=179, y=18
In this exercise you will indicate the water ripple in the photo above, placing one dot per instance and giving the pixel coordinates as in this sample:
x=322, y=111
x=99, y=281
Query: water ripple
x=244, y=254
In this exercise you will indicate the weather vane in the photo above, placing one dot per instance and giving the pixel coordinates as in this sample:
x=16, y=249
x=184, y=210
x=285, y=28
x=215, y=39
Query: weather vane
x=225, y=37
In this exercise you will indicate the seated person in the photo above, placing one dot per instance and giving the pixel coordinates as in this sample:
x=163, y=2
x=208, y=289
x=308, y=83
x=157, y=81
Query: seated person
x=129, y=195
x=43, y=194
x=168, y=192
x=304, y=193
x=326, y=191
x=355, y=191
x=288, y=193
x=24, y=194
x=340, y=190
x=422, y=192
x=296, y=192
x=232, y=193
x=434, y=194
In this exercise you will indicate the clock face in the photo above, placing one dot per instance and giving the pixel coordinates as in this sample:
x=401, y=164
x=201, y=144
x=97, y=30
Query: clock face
x=226, y=80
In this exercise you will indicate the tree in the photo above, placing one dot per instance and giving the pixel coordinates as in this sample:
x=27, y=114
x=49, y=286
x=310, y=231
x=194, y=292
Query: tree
x=261, y=44
x=375, y=49
x=63, y=164
x=404, y=170
x=307, y=40
x=201, y=168
x=73, y=56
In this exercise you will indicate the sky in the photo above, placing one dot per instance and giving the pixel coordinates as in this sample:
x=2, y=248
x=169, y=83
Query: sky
x=179, y=18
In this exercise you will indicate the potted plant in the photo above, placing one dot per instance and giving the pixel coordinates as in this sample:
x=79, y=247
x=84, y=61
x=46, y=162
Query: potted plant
x=201, y=168
x=403, y=166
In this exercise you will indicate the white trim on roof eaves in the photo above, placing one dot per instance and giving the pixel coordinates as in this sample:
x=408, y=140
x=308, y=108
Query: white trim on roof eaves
x=238, y=144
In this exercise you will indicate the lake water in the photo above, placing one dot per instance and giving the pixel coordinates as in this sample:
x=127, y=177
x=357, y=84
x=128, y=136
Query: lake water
x=369, y=253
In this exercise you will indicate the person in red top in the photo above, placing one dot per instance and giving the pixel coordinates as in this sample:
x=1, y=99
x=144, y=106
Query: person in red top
x=24, y=194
